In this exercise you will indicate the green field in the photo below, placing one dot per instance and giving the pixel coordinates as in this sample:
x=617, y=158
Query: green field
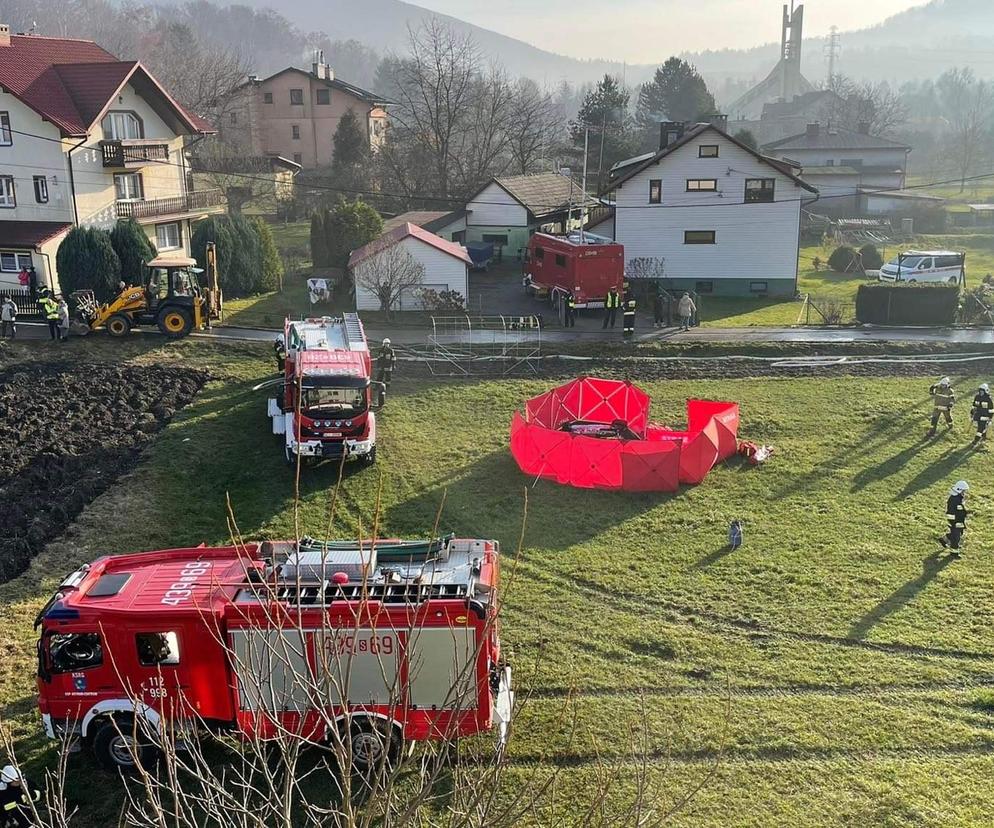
x=836, y=670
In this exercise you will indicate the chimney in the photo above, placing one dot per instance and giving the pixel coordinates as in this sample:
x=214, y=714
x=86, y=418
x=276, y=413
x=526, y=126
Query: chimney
x=719, y=121
x=669, y=133
x=863, y=127
x=812, y=130
x=4, y=34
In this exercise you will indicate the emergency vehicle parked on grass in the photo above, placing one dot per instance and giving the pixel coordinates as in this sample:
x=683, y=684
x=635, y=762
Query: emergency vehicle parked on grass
x=397, y=639
x=325, y=404
x=558, y=265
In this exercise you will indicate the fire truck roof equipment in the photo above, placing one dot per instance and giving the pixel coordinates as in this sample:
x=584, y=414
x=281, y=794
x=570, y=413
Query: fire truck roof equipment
x=596, y=433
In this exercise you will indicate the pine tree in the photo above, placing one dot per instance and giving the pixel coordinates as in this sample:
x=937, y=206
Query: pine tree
x=677, y=92
x=86, y=261
x=246, y=260
x=272, y=264
x=604, y=112
x=348, y=227
x=216, y=229
x=133, y=248
x=351, y=144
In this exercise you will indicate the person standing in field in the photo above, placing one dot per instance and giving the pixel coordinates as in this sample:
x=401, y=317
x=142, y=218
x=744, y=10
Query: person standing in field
x=983, y=407
x=943, y=398
x=63, y=320
x=956, y=516
x=686, y=308
x=51, y=310
x=611, y=304
x=8, y=316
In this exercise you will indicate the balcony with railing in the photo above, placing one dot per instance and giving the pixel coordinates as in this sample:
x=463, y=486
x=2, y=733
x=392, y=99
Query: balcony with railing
x=133, y=152
x=199, y=201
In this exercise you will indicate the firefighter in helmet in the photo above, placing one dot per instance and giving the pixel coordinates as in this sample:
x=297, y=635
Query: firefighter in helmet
x=943, y=398
x=279, y=349
x=386, y=361
x=983, y=406
x=628, y=316
x=956, y=516
x=570, y=311
x=16, y=796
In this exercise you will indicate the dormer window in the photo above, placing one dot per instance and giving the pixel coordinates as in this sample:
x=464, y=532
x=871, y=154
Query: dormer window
x=121, y=126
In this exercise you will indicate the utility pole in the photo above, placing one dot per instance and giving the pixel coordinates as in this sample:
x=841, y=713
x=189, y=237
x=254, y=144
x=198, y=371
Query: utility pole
x=583, y=185
x=831, y=51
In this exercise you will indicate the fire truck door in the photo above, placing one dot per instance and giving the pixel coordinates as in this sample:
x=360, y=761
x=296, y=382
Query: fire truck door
x=271, y=668
x=359, y=666
x=76, y=664
x=442, y=667
x=159, y=655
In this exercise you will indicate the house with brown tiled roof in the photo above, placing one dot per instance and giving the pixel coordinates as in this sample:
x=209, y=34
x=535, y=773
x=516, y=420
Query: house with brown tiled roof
x=88, y=139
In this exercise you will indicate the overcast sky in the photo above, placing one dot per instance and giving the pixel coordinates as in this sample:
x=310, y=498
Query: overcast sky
x=643, y=31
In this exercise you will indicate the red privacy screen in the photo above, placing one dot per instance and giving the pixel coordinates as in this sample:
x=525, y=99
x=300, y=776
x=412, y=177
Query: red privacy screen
x=596, y=434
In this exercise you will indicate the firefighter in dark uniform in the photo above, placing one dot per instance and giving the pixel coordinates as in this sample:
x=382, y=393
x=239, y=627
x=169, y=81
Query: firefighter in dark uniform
x=628, y=317
x=611, y=304
x=983, y=406
x=279, y=351
x=386, y=361
x=570, y=315
x=16, y=796
x=943, y=398
x=956, y=516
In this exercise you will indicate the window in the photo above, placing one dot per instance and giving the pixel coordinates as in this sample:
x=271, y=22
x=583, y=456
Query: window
x=297, y=97
x=701, y=185
x=11, y=262
x=7, y=196
x=168, y=235
x=298, y=158
x=704, y=287
x=698, y=236
x=233, y=117
x=655, y=190
x=540, y=253
x=830, y=162
x=6, y=139
x=157, y=648
x=41, y=189
x=759, y=190
x=120, y=126
x=128, y=187
x=948, y=261
x=707, y=151
x=295, y=132
x=495, y=238
x=560, y=260
x=323, y=97
x=70, y=652
x=757, y=287
x=267, y=97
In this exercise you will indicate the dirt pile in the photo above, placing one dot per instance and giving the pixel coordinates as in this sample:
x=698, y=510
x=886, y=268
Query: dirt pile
x=67, y=432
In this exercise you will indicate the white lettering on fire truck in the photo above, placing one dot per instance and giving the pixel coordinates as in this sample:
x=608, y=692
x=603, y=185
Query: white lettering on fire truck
x=179, y=591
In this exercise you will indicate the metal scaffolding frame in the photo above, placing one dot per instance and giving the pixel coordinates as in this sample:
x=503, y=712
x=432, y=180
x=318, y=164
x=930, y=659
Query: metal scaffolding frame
x=466, y=345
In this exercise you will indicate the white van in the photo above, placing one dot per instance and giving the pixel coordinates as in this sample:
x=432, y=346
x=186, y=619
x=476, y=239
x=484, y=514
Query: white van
x=925, y=266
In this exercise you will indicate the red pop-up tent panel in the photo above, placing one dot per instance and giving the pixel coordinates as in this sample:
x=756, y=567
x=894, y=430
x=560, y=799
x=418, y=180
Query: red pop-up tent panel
x=659, y=460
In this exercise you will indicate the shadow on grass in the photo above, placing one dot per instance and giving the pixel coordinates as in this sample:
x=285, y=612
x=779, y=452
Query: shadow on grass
x=489, y=493
x=934, y=472
x=713, y=557
x=885, y=468
x=932, y=565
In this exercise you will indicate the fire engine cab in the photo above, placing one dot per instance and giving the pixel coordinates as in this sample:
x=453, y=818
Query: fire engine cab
x=587, y=267
x=326, y=405
x=390, y=641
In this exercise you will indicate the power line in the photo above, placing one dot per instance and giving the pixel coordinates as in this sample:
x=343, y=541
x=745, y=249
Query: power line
x=551, y=207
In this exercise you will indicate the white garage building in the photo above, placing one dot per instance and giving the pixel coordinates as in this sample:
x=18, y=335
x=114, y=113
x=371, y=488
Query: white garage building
x=446, y=265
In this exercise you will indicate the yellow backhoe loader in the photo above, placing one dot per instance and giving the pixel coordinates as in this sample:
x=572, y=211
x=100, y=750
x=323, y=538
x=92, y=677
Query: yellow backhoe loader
x=172, y=298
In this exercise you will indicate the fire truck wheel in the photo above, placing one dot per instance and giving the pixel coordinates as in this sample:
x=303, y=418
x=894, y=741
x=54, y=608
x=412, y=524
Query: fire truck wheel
x=115, y=749
x=289, y=456
x=375, y=745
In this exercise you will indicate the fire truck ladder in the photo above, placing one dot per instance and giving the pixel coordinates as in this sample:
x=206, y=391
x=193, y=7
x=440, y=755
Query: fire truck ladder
x=353, y=329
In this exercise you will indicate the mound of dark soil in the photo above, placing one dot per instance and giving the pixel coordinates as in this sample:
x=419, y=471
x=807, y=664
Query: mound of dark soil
x=67, y=432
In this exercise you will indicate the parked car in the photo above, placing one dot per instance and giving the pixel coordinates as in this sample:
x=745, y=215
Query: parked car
x=925, y=266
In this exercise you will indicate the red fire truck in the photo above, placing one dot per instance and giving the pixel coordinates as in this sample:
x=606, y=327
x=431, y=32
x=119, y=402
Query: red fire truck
x=327, y=404
x=397, y=639
x=558, y=265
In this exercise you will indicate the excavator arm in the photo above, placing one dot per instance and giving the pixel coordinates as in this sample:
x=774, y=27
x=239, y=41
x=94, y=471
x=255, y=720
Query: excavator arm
x=130, y=300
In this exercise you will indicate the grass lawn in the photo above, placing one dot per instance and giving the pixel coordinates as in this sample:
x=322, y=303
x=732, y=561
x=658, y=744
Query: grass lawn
x=834, y=670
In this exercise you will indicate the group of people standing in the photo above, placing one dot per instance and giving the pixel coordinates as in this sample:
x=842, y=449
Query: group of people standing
x=54, y=308
x=614, y=301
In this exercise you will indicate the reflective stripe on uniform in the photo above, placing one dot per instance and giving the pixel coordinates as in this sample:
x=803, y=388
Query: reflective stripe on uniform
x=9, y=806
x=950, y=517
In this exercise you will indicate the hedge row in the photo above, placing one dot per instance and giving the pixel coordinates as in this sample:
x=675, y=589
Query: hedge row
x=908, y=304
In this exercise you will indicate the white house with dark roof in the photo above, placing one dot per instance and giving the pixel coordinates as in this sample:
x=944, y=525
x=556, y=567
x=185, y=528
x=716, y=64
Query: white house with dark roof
x=843, y=164
x=87, y=139
x=721, y=217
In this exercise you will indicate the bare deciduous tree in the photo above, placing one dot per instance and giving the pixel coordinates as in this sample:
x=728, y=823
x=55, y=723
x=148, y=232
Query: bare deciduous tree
x=533, y=128
x=870, y=106
x=388, y=274
x=968, y=105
